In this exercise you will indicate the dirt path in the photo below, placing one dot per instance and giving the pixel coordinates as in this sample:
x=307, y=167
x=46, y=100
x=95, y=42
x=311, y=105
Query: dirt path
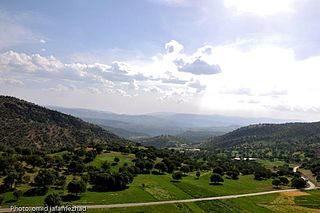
x=310, y=184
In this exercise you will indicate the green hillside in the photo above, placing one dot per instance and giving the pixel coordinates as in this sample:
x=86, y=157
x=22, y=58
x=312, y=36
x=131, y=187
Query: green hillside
x=295, y=133
x=26, y=124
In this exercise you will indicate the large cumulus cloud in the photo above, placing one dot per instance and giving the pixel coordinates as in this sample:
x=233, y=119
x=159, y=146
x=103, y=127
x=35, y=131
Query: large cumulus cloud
x=172, y=75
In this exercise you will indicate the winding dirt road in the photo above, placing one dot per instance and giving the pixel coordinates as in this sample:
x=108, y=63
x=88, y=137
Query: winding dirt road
x=310, y=184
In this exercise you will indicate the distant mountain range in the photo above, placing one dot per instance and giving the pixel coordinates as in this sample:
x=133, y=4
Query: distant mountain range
x=25, y=124
x=154, y=124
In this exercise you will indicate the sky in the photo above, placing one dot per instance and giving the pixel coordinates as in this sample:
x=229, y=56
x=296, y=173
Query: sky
x=249, y=58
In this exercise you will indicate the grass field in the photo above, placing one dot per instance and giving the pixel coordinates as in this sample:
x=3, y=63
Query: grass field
x=311, y=201
x=109, y=156
x=152, y=188
x=187, y=207
x=160, y=187
x=270, y=164
x=306, y=202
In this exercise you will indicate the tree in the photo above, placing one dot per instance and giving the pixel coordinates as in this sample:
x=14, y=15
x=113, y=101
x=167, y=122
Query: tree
x=17, y=194
x=76, y=167
x=77, y=186
x=198, y=174
x=148, y=164
x=53, y=199
x=122, y=179
x=35, y=160
x=102, y=181
x=276, y=182
x=90, y=156
x=218, y=170
x=170, y=165
x=185, y=169
x=116, y=159
x=177, y=175
x=262, y=173
x=10, y=180
x=298, y=183
x=216, y=178
x=140, y=164
x=234, y=174
x=44, y=178
x=161, y=167
x=284, y=180
x=4, y=165
x=99, y=149
x=105, y=166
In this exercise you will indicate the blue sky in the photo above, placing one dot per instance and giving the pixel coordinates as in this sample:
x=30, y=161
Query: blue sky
x=253, y=58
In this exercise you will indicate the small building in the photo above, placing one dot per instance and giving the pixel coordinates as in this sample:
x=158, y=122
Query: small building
x=193, y=150
x=250, y=159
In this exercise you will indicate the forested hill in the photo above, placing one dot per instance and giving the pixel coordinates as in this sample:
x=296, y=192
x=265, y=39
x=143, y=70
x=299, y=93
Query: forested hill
x=25, y=124
x=295, y=133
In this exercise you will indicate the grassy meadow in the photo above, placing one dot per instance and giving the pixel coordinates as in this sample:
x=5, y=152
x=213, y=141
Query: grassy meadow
x=306, y=202
x=149, y=187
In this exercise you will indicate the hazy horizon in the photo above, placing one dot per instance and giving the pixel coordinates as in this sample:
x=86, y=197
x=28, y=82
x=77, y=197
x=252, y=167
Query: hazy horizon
x=172, y=112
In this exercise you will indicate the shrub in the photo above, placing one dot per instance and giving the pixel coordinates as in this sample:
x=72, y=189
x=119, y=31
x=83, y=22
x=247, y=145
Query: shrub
x=177, y=175
x=298, y=183
x=284, y=180
x=17, y=194
x=53, y=199
x=216, y=178
x=276, y=182
x=77, y=186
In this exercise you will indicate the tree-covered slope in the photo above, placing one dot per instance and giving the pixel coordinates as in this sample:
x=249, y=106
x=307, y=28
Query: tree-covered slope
x=294, y=133
x=25, y=124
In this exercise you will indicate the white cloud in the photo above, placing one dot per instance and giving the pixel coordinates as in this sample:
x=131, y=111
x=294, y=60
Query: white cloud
x=21, y=62
x=260, y=7
x=263, y=79
x=173, y=47
x=124, y=78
